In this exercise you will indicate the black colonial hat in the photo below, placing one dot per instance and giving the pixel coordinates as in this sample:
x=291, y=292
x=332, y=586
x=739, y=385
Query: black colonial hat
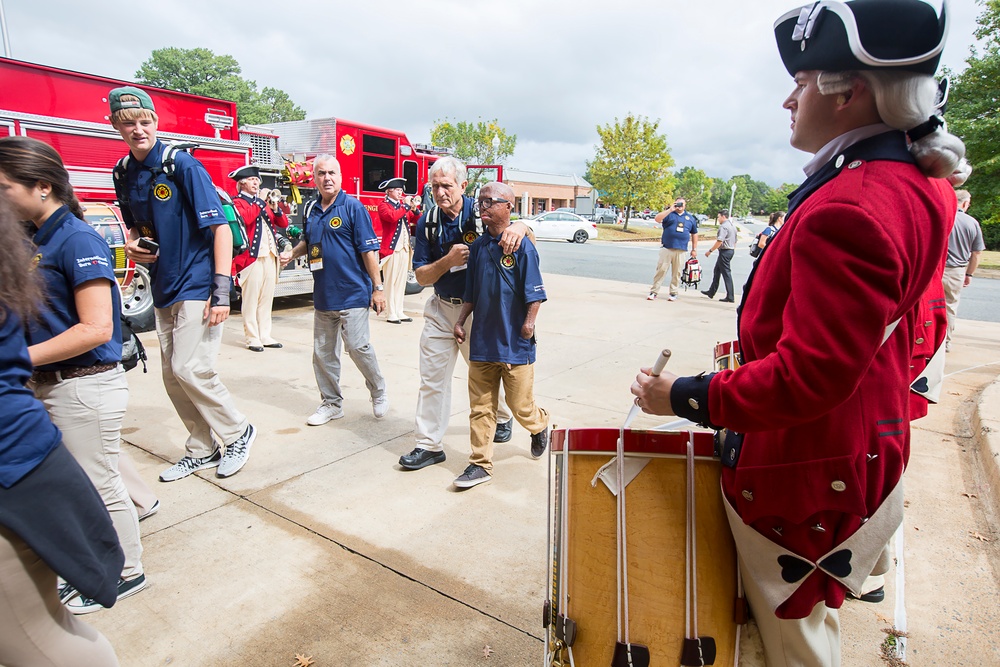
x=247, y=171
x=392, y=183
x=862, y=34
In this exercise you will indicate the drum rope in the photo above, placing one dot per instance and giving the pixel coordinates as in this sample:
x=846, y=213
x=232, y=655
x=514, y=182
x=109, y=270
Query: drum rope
x=691, y=565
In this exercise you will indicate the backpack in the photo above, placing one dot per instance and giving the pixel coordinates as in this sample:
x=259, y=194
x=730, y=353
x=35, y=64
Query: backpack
x=755, y=248
x=133, y=351
x=691, y=275
x=432, y=226
x=167, y=168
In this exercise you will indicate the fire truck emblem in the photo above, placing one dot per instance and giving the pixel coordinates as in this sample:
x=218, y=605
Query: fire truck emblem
x=335, y=223
x=347, y=144
x=507, y=261
x=162, y=191
x=470, y=237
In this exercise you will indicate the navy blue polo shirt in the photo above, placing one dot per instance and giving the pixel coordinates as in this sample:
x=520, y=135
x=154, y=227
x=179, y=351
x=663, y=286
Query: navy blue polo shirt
x=677, y=230
x=178, y=213
x=452, y=284
x=27, y=435
x=71, y=252
x=500, y=287
x=344, y=231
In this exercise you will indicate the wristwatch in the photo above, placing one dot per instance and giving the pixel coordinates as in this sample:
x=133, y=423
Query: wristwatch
x=380, y=288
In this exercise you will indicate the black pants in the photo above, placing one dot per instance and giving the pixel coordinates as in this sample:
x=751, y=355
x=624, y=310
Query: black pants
x=723, y=269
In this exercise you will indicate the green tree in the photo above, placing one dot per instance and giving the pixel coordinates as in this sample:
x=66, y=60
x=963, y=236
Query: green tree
x=696, y=188
x=201, y=72
x=972, y=115
x=632, y=164
x=472, y=143
x=778, y=199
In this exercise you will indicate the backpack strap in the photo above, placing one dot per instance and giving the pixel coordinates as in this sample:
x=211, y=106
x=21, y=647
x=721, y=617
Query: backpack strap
x=306, y=212
x=432, y=228
x=121, y=190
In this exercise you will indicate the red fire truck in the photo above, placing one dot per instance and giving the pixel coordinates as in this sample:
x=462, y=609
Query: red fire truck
x=69, y=110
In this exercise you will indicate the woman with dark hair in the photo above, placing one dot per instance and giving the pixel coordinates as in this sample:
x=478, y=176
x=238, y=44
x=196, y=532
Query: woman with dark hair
x=52, y=521
x=75, y=343
x=773, y=225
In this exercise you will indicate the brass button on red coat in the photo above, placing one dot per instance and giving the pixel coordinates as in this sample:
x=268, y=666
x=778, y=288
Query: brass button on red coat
x=920, y=341
x=838, y=486
x=748, y=495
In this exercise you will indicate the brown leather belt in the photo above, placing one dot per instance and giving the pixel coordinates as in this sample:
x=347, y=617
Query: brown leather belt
x=455, y=301
x=52, y=377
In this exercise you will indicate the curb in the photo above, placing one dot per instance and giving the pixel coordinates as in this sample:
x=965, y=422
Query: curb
x=986, y=425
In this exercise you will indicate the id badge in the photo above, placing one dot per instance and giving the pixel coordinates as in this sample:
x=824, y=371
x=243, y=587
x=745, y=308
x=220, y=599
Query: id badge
x=315, y=257
x=680, y=227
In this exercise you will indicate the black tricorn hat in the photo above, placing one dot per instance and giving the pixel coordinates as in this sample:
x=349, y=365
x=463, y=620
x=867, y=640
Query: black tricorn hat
x=248, y=171
x=832, y=36
x=392, y=183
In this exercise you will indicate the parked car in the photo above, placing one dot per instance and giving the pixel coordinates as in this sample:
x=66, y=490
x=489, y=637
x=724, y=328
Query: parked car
x=561, y=225
x=134, y=280
x=605, y=216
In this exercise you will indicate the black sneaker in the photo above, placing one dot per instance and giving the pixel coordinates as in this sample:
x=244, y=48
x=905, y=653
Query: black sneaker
x=420, y=458
x=505, y=431
x=539, y=442
x=472, y=476
x=85, y=605
x=66, y=592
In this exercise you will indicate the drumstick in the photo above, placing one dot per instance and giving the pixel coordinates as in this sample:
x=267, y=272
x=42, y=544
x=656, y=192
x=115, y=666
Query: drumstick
x=661, y=361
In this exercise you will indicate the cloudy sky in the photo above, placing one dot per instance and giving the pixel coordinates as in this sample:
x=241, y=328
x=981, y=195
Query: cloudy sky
x=549, y=70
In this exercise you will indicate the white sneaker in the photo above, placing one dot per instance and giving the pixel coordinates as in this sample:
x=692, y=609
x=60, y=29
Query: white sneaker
x=188, y=465
x=237, y=453
x=651, y=297
x=380, y=406
x=672, y=297
x=324, y=413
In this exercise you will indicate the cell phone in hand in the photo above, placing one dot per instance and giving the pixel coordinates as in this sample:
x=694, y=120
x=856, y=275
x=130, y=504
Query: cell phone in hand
x=149, y=245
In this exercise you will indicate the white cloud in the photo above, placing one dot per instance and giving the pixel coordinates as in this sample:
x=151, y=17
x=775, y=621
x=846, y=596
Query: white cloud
x=549, y=70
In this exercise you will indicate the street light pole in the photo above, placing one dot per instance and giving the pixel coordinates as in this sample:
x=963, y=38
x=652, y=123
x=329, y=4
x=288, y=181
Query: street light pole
x=732, y=196
x=6, y=36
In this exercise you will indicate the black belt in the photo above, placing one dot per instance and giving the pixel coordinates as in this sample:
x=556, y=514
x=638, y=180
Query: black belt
x=53, y=377
x=455, y=301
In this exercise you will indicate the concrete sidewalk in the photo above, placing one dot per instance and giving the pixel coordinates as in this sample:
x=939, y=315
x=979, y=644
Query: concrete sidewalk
x=321, y=546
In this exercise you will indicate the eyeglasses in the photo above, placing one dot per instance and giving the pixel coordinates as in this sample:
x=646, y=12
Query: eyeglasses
x=484, y=204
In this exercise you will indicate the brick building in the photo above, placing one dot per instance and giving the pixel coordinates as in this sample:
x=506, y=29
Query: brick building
x=537, y=192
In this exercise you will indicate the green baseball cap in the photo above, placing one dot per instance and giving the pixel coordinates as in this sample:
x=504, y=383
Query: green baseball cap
x=129, y=97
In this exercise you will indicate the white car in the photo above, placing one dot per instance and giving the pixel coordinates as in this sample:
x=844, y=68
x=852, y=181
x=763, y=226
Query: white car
x=561, y=225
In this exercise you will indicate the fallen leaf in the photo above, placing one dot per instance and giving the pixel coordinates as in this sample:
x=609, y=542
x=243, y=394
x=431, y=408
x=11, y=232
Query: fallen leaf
x=915, y=528
x=302, y=661
x=882, y=618
x=970, y=495
x=487, y=651
x=979, y=537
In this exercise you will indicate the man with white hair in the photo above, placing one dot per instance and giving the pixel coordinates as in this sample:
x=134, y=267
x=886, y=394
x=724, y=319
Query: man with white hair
x=818, y=415
x=441, y=251
x=965, y=245
x=342, y=249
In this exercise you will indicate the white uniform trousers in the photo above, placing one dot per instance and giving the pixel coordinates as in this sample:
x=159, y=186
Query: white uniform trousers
x=188, y=351
x=257, y=283
x=394, y=272
x=438, y=354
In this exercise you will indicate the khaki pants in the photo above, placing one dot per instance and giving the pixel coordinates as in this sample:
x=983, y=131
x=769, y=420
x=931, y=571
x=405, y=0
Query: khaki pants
x=257, y=283
x=89, y=411
x=813, y=641
x=953, y=281
x=675, y=260
x=394, y=273
x=142, y=496
x=36, y=630
x=188, y=350
x=485, y=379
x=438, y=354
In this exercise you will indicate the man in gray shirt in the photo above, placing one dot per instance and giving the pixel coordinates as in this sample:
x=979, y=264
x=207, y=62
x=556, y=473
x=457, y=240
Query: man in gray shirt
x=725, y=243
x=964, y=247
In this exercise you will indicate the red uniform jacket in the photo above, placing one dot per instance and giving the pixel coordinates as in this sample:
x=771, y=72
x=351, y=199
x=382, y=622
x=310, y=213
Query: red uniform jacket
x=824, y=403
x=392, y=216
x=252, y=210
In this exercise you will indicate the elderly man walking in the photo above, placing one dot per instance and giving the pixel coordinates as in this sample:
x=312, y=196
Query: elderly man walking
x=965, y=245
x=343, y=257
